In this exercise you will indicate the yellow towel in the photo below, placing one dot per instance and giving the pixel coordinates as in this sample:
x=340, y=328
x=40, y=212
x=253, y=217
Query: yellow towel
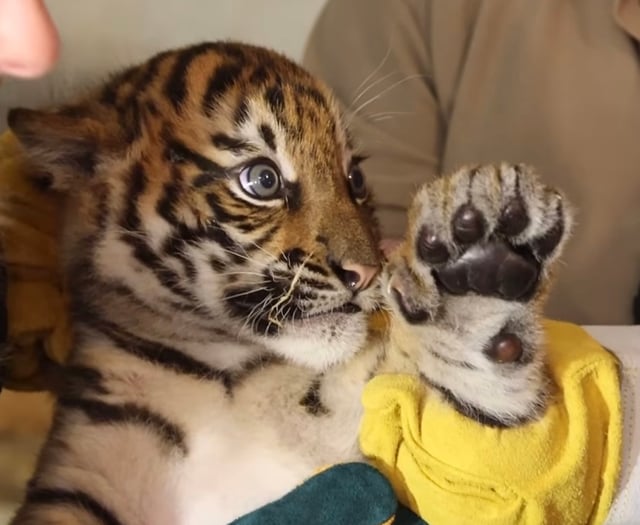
x=38, y=331
x=560, y=470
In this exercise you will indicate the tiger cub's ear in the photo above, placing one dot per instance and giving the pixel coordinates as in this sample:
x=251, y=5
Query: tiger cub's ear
x=66, y=145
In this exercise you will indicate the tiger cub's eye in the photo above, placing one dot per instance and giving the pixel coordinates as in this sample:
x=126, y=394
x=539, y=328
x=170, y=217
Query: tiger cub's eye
x=357, y=186
x=261, y=181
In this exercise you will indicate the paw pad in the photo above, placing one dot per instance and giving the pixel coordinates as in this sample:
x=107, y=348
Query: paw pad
x=514, y=218
x=491, y=231
x=505, y=348
x=491, y=269
x=468, y=225
x=430, y=248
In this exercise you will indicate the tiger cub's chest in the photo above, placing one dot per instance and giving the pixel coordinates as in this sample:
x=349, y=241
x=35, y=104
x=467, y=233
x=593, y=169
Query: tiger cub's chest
x=227, y=475
x=277, y=428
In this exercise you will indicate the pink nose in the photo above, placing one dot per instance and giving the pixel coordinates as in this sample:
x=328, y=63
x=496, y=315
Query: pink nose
x=357, y=276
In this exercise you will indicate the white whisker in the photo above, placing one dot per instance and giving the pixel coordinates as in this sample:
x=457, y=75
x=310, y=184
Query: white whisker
x=242, y=272
x=246, y=292
x=385, y=91
x=373, y=73
x=379, y=114
x=371, y=86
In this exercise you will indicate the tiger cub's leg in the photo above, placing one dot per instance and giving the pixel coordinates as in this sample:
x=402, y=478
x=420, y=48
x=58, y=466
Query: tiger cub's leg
x=468, y=284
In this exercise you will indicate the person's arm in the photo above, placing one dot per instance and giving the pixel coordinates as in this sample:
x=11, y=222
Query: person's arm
x=376, y=56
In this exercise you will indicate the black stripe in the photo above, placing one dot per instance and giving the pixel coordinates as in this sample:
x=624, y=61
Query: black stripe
x=178, y=153
x=452, y=362
x=543, y=246
x=129, y=110
x=470, y=411
x=174, y=246
x=251, y=224
x=130, y=119
x=259, y=75
x=247, y=225
x=312, y=267
x=275, y=99
x=166, y=276
x=472, y=175
x=293, y=196
x=227, y=143
x=268, y=136
x=311, y=92
x=150, y=71
x=176, y=86
x=103, y=289
x=242, y=302
x=206, y=178
x=236, y=51
x=102, y=209
x=223, y=78
x=302, y=109
x=312, y=402
x=135, y=188
x=412, y=316
x=141, y=250
x=316, y=284
x=81, y=156
x=293, y=257
x=73, y=498
x=220, y=213
x=158, y=353
x=79, y=380
x=109, y=94
x=217, y=264
x=171, y=193
x=216, y=233
x=84, y=311
x=129, y=413
x=241, y=114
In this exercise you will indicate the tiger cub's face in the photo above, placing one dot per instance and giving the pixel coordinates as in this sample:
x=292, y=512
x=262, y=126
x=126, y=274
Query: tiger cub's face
x=217, y=180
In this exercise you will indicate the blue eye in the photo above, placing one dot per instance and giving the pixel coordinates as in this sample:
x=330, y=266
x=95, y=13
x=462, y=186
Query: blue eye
x=261, y=181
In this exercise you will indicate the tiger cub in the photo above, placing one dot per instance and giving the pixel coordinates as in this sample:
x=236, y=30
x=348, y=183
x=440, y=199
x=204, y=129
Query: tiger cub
x=222, y=256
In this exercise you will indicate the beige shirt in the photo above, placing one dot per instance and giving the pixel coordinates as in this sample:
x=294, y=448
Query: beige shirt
x=555, y=83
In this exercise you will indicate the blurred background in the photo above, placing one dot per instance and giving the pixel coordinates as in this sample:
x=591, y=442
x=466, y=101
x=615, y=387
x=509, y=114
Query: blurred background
x=99, y=36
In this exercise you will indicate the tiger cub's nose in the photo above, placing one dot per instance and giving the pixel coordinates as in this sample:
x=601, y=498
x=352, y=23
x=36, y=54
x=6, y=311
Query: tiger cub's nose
x=357, y=276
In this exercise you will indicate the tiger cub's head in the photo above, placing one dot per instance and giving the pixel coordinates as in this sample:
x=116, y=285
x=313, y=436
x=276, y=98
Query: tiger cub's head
x=215, y=186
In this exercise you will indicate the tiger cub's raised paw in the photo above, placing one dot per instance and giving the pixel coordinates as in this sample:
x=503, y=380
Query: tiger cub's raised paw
x=492, y=231
x=468, y=282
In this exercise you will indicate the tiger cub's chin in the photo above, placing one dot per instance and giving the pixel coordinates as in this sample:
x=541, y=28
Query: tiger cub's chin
x=322, y=341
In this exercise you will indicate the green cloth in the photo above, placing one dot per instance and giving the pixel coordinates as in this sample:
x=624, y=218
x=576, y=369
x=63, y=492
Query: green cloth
x=345, y=494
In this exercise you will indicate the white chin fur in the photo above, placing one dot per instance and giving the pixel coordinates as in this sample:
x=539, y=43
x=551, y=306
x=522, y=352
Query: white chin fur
x=321, y=342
